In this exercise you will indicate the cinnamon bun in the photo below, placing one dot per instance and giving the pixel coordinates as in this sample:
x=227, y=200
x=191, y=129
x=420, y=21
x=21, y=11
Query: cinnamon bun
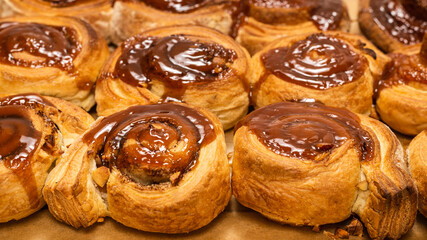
x=96, y=12
x=268, y=20
x=309, y=164
x=134, y=16
x=157, y=168
x=336, y=69
x=34, y=132
x=401, y=93
x=393, y=24
x=50, y=56
x=197, y=65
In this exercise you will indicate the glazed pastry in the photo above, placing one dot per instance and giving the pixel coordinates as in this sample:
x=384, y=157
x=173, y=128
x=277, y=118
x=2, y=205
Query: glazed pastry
x=336, y=69
x=393, y=24
x=96, y=12
x=34, y=132
x=401, y=94
x=134, y=16
x=50, y=56
x=309, y=164
x=157, y=168
x=268, y=20
x=197, y=65
x=417, y=152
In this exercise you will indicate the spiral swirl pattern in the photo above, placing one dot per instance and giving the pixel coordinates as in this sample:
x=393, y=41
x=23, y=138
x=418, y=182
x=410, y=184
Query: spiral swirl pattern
x=405, y=22
x=318, y=62
x=307, y=130
x=47, y=46
x=151, y=143
x=175, y=60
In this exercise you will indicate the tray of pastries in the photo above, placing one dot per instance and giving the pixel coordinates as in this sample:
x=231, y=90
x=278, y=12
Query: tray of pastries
x=213, y=119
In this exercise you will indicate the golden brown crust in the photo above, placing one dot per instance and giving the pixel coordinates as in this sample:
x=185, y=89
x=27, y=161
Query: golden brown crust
x=417, y=153
x=388, y=208
x=404, y=106
x=255, y=35
x=96, y=12
x=328, y=190
x=355, y=96
x=226, y=97
x=130, y=18
x=74, y=197
x=58, y=124
x=74, y=86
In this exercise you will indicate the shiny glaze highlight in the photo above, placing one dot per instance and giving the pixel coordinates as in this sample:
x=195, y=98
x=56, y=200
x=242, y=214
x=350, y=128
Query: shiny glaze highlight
x=308, y=131
x=318, y=62
x=154, y=140
x=174, y=60
x=40, y=45
x=404, y=22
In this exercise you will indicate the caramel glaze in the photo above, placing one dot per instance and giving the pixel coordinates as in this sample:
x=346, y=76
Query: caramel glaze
x=177, y=6
x=25, y=99
x=54, y=46
x=325, y=14
x=308, y=131
x=175, y=60
x=406, y=22
x=61, y=3
x=160, y=141
x=317, y=62
x=19, y=139
x=18, y=142
x=403, y=69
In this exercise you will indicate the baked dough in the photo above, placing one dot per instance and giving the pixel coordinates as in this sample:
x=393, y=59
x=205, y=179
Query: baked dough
x=157, y=168
x=58, y=64
x=337, y=69
x=34, y=132
x=196, y=65
x=322, y=165
x=96, y=12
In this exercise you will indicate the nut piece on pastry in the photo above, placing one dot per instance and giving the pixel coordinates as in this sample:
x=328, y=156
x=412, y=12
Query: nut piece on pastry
x=393, y=24
x=157, y=168
x=337, y=69
x=196, y=65
x=131, y=17
x=96, y=12
x=50, y=56
x=417, y=152
x=268, y=20
x=309, y=164
x=401, y=93
x=34, y=132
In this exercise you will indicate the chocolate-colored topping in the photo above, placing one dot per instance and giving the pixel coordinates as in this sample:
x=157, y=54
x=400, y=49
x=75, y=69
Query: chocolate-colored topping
x=175, y=60
x=325, y=14
x=18, y=142
x=25, y=99
x=307, y=130
x=155, y=140
x=403, y=69
x=404, y=24
x=238, y=10
x=177, y=6
x=48, y=46
x=62, y=3
x=317, y=62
